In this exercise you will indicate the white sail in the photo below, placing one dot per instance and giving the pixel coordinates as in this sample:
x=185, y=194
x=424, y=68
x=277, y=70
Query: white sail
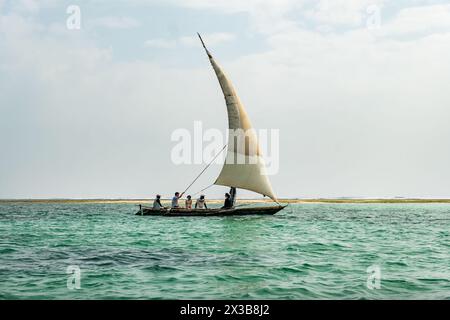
x=244, y=166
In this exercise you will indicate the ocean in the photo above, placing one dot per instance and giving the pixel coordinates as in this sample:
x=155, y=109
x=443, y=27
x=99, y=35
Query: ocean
x=307, y=251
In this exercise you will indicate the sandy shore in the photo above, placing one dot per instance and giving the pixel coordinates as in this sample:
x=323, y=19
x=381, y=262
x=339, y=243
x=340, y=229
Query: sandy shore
x=146, y=201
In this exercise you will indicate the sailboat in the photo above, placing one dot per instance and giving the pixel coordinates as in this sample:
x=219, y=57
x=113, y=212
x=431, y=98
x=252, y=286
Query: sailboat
x=249, y=172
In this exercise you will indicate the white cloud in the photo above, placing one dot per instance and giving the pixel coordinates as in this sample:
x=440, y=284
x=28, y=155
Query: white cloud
x=267, y=16
x=112, y=22
x=26, y=6
x=29, y=6
x=234, y=6
x=211, y=39
x=348, y=13
x=161, y=43
x=419, y=20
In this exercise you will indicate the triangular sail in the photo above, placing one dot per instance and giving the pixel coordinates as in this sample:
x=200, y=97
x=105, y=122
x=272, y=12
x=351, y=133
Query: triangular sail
x=244, y=166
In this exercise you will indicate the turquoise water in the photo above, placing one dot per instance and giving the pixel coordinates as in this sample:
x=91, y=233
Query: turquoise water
x=308, y=251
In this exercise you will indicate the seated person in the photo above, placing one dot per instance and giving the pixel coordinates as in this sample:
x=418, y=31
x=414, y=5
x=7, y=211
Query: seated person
x=228, y=204
x=201, y=203
x=157, y=203
x=175, y=199
x=188, y=202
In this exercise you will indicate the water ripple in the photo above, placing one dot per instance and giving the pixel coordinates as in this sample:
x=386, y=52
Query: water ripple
x=309, y=251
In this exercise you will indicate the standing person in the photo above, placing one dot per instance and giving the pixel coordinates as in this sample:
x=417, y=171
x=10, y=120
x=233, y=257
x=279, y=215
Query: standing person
x=188, y=202
x=227, y=204
x=157, y=203
x=175, y=200
x=201, y=203
x=233, y=196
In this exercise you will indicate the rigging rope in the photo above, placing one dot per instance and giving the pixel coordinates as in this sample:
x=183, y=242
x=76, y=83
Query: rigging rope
x=202, y=190
x=205, y=169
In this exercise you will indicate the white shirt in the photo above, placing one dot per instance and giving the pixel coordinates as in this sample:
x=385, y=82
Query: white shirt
x=156, y=205
x=200, y=204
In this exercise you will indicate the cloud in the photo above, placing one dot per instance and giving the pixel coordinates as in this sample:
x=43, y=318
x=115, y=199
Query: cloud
x=419, y=21
x=161, y=43
x=349, y=13
x=29, y=6
x=112, y=22
x=273, y=16
x=212, y=39
x=266, y=16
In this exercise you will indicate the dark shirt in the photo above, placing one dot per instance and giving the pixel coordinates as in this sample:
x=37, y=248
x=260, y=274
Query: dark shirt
x=227, y=204
x=233, y=195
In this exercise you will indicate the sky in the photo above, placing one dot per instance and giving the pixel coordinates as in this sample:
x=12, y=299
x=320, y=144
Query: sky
x=359, y=91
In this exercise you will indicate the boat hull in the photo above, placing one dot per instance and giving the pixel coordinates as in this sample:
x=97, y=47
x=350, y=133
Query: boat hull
x=181, y=212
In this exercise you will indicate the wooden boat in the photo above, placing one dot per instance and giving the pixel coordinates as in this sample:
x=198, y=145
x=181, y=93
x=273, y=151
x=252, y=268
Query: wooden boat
x=244, y=165
x=181, y=212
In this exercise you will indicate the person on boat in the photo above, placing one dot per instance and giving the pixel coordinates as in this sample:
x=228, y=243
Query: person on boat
x=157, y=203
x=201, y=203
x=175, y=199
x=228, y=204
x=233, y=195
x=188, y=202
